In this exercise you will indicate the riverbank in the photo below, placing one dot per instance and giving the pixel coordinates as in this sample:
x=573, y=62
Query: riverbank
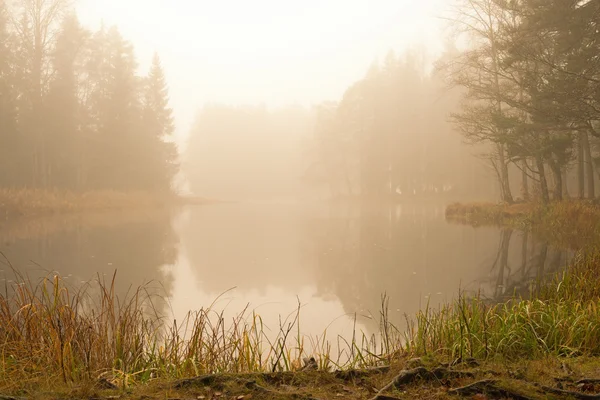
x=67, y=342
x=33, y=203
x=574, y=223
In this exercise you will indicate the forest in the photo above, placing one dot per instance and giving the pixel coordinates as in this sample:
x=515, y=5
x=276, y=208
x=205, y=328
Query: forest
x=74, y=112
x=514, y=96
x=525, y=94
x=509, y=111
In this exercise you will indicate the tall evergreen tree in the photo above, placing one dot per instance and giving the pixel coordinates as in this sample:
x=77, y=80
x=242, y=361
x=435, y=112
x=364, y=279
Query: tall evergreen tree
x=63, y=119
x=117, y=113
x=158, y=128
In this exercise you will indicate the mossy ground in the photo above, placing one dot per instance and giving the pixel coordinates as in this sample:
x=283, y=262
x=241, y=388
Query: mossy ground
x=527, y=379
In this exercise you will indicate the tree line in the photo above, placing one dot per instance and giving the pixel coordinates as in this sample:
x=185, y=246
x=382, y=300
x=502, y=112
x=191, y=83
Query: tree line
x=74, y=112
x=524, y=92
x=531, y=82
x=389, y=137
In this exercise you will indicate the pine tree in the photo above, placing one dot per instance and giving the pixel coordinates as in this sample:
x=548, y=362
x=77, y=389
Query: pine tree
x=158, y=128
x=63, y=107
x=115, y=107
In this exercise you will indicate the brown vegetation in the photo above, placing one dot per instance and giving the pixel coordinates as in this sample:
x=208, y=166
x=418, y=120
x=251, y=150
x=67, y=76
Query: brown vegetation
x=570, y=223
x=17, y=203
x=84, y=341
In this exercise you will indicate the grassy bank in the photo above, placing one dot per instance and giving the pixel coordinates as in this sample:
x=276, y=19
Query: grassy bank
x=64, y=338
x=18, y=203
x=572, y=223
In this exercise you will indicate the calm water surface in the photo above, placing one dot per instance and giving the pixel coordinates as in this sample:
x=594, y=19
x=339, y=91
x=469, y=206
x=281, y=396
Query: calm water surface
x=335, y=260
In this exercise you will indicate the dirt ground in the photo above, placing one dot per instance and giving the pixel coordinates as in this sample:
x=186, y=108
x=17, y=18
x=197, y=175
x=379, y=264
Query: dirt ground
x=577, y=378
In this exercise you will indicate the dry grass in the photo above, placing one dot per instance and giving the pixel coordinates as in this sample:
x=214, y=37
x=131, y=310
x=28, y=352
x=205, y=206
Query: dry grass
x=36, y=202
x=570, y=223
x=561, y=319
x=488, y=213
x=16, y=203
x=52, y=334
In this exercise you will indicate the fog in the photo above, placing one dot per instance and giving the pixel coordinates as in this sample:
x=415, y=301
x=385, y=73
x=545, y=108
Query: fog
x=332, y=135
x=264, y=52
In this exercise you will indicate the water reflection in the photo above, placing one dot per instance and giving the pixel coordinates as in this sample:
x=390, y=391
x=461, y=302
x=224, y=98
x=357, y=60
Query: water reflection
x=336, y=260
x=84, y=247
x=519, y=266
x=340, y=259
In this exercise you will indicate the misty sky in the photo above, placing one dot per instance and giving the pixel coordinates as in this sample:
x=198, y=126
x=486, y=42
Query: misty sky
x=275, y=52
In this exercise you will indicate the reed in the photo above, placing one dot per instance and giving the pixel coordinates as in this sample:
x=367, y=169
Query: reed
x=561, y=319
x=16, y=203
x=573, y=223
x=53, y=333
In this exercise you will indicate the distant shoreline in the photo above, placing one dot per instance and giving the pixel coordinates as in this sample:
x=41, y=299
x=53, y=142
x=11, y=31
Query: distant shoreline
x=571, y=223
x=32, y=203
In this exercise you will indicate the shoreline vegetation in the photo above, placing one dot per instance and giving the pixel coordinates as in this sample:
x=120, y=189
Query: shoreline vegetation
x=34, y=203
x=88, y=343
x=573, y=223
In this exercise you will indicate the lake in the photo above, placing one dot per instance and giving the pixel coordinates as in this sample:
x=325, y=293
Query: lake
x=335, y=260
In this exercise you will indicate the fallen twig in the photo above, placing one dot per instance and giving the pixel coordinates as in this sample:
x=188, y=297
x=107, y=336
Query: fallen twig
x=408, y=376
x=587, y=381
x=473, y=388
x=575, y=395
x=488, y=386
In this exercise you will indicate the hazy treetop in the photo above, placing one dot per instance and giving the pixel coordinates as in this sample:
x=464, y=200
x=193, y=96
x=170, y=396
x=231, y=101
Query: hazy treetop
x=303, y=52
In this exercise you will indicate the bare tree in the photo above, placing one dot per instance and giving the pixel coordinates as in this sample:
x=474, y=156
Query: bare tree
x=37, y=23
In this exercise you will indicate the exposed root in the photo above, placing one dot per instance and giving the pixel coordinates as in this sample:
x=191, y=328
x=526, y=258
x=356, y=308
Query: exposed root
x=408, y=376
x=489, y=386
x=202, y=380
x=348, y=375
x=473, y=388
x=568, y=393
x=588, y=381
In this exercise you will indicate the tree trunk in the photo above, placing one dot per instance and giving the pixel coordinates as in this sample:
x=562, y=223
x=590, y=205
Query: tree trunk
x=543, y=182
x=525, y=181
x=565, y=182
x=524, y=252
x=504, y=179
x=558, y=184
x=580, y=168
x=589, y=166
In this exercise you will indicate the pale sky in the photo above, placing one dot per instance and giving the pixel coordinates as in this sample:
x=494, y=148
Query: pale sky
x=276, y=52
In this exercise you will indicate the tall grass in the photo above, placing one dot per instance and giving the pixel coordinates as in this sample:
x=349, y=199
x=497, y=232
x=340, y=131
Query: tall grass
x=52, y=332
x=562, y=319
x=574, y=223
x=40, y=202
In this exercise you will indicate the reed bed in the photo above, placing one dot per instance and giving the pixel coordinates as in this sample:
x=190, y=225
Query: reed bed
x=572, y=223
x=562, y=319
x=51, y=332
x=41, y=202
